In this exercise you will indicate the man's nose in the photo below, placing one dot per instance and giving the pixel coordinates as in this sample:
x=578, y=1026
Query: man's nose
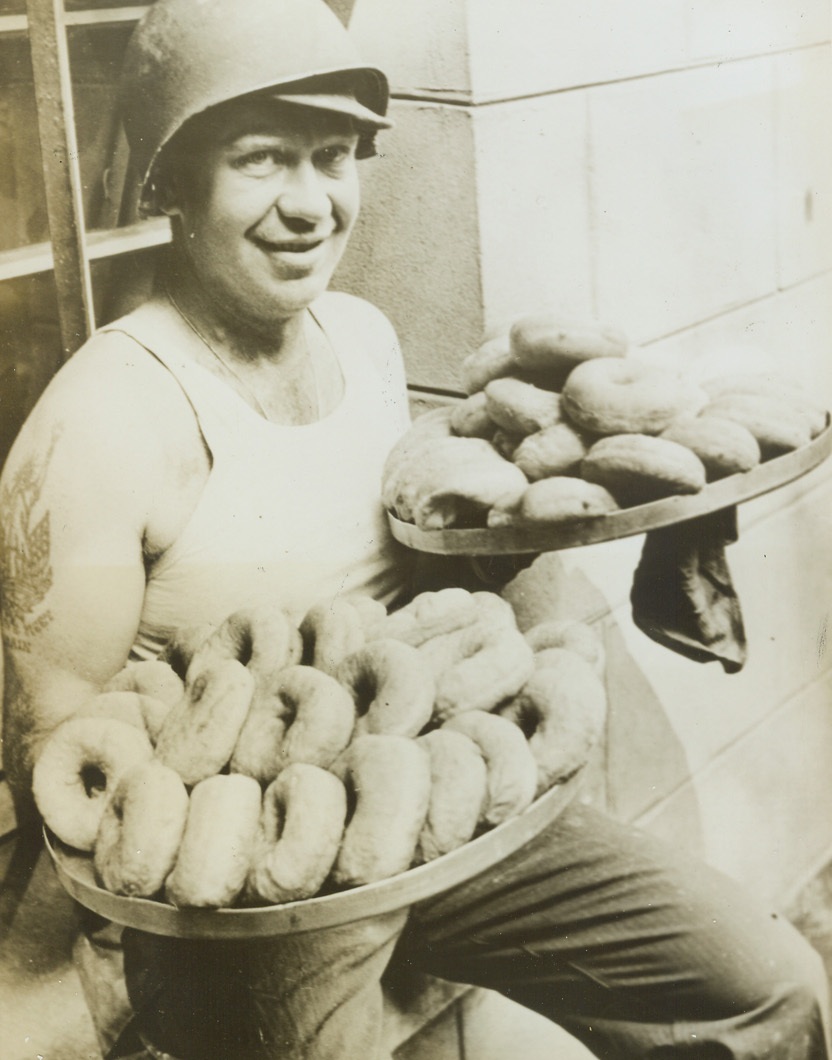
x=303, y=196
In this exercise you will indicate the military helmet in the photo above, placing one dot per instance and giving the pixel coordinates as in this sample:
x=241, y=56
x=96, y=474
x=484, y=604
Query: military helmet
x=186, y=56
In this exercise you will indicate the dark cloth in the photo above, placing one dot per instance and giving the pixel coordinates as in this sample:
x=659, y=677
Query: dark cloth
x=683, y=596
x=635, y=950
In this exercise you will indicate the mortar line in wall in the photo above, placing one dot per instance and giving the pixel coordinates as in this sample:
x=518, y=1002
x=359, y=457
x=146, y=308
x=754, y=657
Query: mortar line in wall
x=645, y=816
x=784, y=289
x=434, y=95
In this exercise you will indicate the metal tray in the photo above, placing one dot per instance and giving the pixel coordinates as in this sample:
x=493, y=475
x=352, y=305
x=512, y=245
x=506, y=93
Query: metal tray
x=622, y=523
x=75, y=871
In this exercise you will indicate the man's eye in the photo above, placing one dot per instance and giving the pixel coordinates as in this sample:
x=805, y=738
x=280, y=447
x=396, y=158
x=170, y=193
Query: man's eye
x=335, y=154
x=259, y=161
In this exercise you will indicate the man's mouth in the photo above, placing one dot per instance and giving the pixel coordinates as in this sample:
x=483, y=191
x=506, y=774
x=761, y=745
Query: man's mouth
x=295, y=246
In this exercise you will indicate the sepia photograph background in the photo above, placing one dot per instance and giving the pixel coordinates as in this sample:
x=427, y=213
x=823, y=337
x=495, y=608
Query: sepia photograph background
x=660, y=165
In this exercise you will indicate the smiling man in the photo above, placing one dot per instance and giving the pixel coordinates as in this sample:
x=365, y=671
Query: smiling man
x=223, y=444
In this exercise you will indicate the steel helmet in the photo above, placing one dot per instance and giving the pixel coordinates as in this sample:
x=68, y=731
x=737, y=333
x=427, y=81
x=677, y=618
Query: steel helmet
x=186, y=56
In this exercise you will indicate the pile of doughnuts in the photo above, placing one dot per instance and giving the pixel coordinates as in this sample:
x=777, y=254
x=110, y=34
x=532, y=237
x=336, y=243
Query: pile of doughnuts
x=563, y=422
x=264, y=762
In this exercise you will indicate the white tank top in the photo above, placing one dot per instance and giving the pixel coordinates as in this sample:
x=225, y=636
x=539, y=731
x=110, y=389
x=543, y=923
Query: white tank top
x=290, y=514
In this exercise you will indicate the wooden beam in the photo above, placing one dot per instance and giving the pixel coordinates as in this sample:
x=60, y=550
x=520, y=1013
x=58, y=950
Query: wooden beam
x=61, y=169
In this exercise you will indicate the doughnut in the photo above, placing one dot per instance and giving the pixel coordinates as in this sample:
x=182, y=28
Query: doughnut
x=331, y=630
x=556, y=450
x=388, y=786
x=390, y=687
x=561, y=710
x=141, y=829
x=77, y=770
x=555, y=500
x=201, y=731
x=506, y=443
x=492, y=360
x=521, y=408
x=456, y=480
x=510, y=765
x=217, y=846
x=300, y=831
x=182, y=645
x=493, y=608
x=123, y=706
x=310, y=719
x=638, y=468
x=775, y=424
x=578, y=637
x=478, y=667
x=549, y=342
x=430, y=614
x=724, y=447
x=781, y=387
x=370, y=611
x=470, y=418
x=611, y=395
x=428, y=428
x=458, y=788
x=262, y=638
x=148, y=677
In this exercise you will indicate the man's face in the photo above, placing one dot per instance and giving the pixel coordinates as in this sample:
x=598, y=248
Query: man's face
x=267, y=197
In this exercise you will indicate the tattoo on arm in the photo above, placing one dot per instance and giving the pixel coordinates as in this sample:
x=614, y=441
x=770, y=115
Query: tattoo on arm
x=25, y=561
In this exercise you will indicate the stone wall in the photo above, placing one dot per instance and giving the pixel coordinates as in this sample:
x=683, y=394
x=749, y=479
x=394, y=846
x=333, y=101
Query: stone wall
x=666, y=167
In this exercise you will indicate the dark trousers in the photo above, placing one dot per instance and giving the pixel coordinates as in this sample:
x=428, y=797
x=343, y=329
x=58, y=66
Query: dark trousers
x=599, y=927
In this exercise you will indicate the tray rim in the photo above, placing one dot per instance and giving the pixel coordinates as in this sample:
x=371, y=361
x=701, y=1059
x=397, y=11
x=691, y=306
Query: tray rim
x=625, y=522
x=75, y=873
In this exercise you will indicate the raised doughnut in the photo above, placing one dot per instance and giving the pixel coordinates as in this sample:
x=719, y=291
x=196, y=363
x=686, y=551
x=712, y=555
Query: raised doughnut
x=331, y=630
x=388, y=786
x=553, y=343
x=148, y=677
x=493, y=608
x=578, y=637
x=217, y=846
x=457, y=480
x=459, y=782
x=77, y=770
x=478, y=667
x=510, y=765
x=612, y=395
x=555, y=500
x=779, y=386
x=556, y=450
x=145, y=712
x=561, y=710
x=428, y=428
x=430, y=614
x=470, y=418
x=492, y=360
x=638, y=468
x=392, y=691
x=505, y=443
x=201, y=731
x=182, y=645
x=141, y=829
x=775, y=424
x=301, y=826
x=310, y=719
x=262, y=638
x=724, y=447
x=520, y=407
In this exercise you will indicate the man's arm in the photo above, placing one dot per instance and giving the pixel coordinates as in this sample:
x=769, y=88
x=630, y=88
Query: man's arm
x=76, y=499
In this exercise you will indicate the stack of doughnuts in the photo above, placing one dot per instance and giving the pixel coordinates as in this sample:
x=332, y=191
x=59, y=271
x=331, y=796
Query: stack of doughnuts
x=285, y=759
x=591, y=427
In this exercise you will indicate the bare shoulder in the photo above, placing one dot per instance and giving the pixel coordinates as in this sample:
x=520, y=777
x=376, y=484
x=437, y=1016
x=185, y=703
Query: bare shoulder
x=112, y=425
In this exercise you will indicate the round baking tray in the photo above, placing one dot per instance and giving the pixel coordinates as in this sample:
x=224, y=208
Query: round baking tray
x=622, y=523
x=75, y=871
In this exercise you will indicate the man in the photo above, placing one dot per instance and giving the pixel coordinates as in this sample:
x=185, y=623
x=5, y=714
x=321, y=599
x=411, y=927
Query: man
x=224, y=442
